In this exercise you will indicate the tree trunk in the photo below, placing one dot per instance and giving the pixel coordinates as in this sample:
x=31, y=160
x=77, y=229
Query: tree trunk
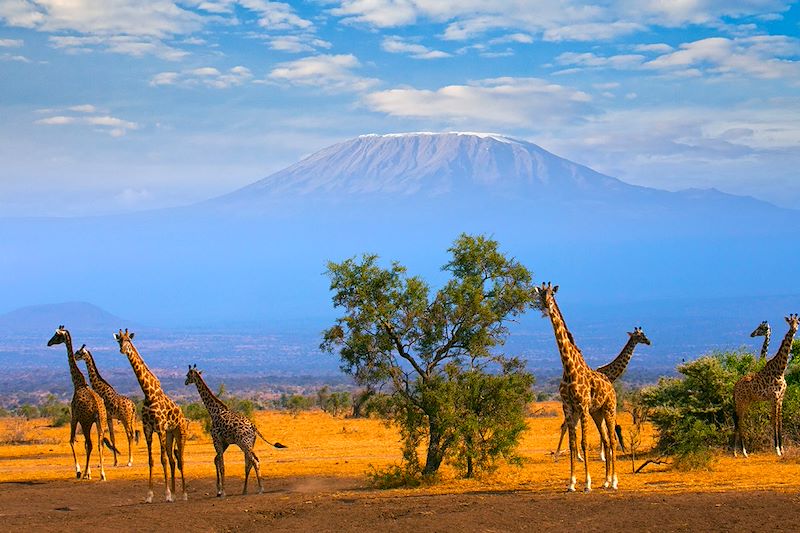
x=437, y=446
x=360, y=400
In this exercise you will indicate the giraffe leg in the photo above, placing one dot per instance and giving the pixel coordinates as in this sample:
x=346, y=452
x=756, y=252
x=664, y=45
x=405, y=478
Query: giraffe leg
x=72, y=424
x=257, y=469
x=610, y=422
x=100, y=437
x=148, y=437
x=584, y=426
x=129, y=434
x=248, y=463
x=171, y=459
x=776, y=426
x=87, y=440
x=180, y=442
x=217, y=461
x=560, y=440
x=162, y=439
x=597, y=417
x=221, y=468
x=780, y=426
x=111, y=437
x=573, y=451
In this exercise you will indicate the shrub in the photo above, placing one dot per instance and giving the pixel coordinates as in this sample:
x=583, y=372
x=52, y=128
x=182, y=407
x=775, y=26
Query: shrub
x=393, y=477
x=694, y=413
x=58, y=412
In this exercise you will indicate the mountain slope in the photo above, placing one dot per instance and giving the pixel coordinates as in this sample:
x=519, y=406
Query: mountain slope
x=454, y=165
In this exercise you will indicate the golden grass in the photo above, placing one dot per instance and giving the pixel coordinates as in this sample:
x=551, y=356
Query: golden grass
x=320, y=445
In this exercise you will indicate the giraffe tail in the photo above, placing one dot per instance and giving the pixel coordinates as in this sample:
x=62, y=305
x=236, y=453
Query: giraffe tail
x=136, y=436
x=110, y=446
x=274, y=445
x=618, y=431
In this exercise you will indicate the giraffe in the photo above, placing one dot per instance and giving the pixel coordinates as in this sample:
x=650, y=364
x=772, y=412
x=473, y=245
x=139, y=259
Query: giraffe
x=768, y=384
x=585, y=393
x=763, y=330
x=86, y=409
x=117, y=405
x=228, y=427
x=159, y=415
x=612, y=371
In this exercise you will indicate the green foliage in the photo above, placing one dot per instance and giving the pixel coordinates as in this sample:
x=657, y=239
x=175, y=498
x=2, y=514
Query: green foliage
x=694, y=413
x=27, y=411
x=395, y=332
x=333, y=402
x=197, y=411
x=490, y=415
x=294, y=403
x=57, y=411
x=393, y=477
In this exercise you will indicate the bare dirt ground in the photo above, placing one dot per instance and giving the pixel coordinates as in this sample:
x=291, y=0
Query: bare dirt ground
x=320, y=483
x=343, y=504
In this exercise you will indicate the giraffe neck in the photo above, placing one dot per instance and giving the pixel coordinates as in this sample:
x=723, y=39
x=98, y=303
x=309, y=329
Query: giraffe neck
x=615, y=368
x=212, y=403
x=571, y=358
x=95, y=378
x=78, y=380
x=765, y=346
x=149, y=383
x=777, y=365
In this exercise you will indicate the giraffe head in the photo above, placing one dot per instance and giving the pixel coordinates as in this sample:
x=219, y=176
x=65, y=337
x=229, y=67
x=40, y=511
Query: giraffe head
x=638, y=335
x=762, y=330
x=193, y=375
x=124, y=339
x=793, y=321
x=59, y=337
x=82, y=354
x=544, y=297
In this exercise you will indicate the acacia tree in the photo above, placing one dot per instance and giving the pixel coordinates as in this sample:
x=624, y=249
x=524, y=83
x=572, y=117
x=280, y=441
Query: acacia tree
x=394, y=331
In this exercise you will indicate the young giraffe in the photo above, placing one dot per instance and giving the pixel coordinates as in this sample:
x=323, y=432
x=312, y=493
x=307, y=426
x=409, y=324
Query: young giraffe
x=228, y=427
x=584, y=392
x=612, y=371
x=763, y=330
x=768, y=384
x=117, y=406
x=87, y=409
x=159, y=415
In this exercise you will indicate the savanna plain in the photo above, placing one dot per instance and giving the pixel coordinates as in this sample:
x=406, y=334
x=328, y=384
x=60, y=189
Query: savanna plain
x=320, y=482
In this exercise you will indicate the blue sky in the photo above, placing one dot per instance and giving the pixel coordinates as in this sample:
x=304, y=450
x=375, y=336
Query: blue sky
x=118, y=105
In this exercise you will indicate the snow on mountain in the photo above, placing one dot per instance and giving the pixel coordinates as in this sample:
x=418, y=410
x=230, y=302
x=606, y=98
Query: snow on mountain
x=431, y=164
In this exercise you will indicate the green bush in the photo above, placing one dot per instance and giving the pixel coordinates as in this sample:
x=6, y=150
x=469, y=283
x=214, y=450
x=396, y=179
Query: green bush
x=294, y=403
x=694, y=413
x=58, y=412
x=393, y=477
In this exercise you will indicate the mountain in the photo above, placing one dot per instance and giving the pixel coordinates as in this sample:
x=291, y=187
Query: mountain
x=43, y=319
x=256, y=258
x=449, y=166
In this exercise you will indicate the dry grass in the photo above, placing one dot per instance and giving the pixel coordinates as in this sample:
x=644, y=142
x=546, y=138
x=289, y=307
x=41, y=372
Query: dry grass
x=320, y=445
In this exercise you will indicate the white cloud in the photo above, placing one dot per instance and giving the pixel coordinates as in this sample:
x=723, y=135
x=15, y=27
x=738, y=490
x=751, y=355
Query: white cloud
x=329, y=72
x=765, y=56
x=658, y=48
x=397, y=45
x=569, y=20
x=204, y=76
x=14, y=57
x=11, y=43
x=114, y=126
x=151, y=18
x=132, y=197
x=83, y=108
x=58, y=120
x=590, y=60
x=296, y=43
x=276, y=15
x=523, y=102
x=120, y=44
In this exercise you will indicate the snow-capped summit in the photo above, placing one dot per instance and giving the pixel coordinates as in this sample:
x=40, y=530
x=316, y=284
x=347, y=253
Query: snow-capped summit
x=432, y=164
